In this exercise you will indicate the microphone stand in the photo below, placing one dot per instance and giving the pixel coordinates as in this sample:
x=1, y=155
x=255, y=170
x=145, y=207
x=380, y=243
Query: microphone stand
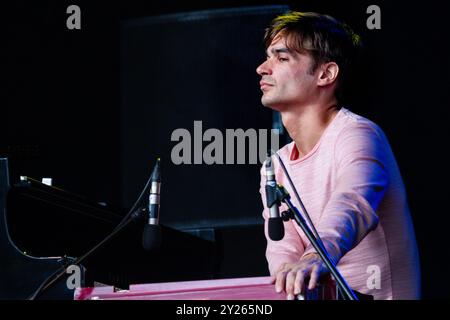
x=136, y=215
x=283, y=196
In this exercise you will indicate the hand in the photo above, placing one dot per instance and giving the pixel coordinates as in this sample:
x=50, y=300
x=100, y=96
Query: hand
x=291, y=276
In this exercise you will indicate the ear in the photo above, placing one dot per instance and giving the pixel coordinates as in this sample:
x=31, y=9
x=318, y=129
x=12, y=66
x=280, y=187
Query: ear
x=328, y=74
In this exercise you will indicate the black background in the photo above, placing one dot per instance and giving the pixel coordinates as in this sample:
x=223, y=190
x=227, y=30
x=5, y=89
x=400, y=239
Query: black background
x=178, y=69
x=61, y=111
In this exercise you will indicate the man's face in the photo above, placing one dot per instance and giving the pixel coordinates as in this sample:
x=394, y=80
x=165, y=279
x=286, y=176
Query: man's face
x=286, y=76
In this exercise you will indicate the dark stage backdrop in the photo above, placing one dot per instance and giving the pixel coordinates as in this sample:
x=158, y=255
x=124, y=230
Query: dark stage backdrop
x=186, y=67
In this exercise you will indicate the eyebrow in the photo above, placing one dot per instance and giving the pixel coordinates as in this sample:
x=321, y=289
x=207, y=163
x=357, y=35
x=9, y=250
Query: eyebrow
x=279, y=50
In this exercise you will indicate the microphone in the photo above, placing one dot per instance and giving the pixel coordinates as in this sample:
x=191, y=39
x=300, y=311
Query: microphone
x=151, y=238
x=276, y=227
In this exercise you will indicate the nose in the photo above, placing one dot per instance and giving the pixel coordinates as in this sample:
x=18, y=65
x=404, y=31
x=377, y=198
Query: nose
x=264, y=69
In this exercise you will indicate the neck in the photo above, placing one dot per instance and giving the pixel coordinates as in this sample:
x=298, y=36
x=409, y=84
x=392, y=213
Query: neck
x=306, y=124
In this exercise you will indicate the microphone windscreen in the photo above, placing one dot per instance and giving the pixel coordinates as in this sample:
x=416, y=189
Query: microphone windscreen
x=276, y=228
x=151, y=237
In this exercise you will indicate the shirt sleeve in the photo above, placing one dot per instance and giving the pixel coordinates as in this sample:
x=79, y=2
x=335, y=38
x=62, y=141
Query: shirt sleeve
x=361, y=160
x=287, y=250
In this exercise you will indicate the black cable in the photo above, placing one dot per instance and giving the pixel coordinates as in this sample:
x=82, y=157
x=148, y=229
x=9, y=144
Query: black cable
x=61, y=271
x=133, y=208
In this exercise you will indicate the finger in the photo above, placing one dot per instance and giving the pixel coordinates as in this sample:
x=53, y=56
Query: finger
x=274, y=277
x=300, y=278
x=290, y=280
x=314, y=278
x=280, y=281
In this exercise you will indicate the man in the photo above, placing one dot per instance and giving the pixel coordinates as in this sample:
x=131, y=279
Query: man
x=340, y=163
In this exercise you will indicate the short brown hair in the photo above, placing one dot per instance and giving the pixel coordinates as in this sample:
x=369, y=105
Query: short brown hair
x=322, y=36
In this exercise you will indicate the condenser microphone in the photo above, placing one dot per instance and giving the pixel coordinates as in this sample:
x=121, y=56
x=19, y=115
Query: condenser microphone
x=151, y=239
x=276, y=227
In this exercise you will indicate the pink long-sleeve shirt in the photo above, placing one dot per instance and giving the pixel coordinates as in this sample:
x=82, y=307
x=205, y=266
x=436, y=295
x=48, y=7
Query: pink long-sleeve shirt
x=351, y=187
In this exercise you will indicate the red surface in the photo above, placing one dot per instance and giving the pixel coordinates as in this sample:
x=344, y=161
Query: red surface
x=259, y=288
